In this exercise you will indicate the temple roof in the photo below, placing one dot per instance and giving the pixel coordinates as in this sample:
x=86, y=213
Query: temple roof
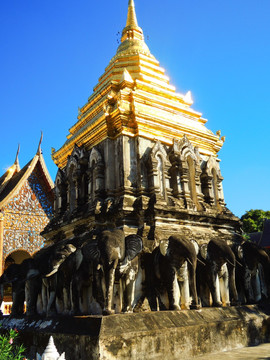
x=14, y=178
x=4, y=179
x=134, y=97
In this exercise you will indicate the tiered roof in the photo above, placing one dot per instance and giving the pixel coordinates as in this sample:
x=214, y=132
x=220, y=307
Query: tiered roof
x=14, y=178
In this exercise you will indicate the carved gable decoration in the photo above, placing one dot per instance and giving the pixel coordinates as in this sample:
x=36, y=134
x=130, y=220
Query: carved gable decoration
x=183, y=148
x=60, y=177
x=78, y=152
x=158, y=150
x=72, y=163
x=211, y=164
x=211, y=179
x=185, y=173
x=95, y=157
x=77, y=158
x=25, y=216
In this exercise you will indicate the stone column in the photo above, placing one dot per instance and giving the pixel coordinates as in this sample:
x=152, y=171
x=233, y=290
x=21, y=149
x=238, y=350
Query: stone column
x=220, y=192
x=1, y=243
x=119, y=165
x=168, y=190
x=130, y=164
x=109, y=164
x=198, y=186
x=184, y=176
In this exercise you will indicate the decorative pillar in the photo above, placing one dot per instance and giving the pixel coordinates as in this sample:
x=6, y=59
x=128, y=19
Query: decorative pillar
x=198, y=184
x=184, y=179
x=220, y=191
x=1, y=242
x=99, y=178
x=169, y=190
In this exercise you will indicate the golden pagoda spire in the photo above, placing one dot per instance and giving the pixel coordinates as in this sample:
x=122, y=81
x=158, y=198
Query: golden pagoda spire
x=131, y=18
x=132, y=39
x=137, y=100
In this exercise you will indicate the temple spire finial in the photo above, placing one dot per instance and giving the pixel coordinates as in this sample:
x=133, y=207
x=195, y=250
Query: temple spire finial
x=132, y=34
x=39, y=152
x=131, y=17
x=16, y=162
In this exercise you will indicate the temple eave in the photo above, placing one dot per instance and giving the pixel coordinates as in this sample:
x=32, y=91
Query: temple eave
x=144, y=92
x=114, y=126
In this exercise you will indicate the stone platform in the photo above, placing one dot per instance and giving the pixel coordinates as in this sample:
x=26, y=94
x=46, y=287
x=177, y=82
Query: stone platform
x=154, y=335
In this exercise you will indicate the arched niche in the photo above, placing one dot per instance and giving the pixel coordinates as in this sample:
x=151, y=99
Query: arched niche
x=95, y=174
x=211, y=180
x=158, y=172
x=60, y=190
x=16, y=257
x=72, y=189
x=185, y=173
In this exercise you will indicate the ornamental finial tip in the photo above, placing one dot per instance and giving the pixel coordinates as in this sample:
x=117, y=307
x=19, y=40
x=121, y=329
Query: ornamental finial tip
x=131, y=17
x=39, y=151
x=17, y=155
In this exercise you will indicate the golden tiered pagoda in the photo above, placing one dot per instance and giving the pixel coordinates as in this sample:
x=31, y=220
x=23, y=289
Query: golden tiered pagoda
x=139, y=157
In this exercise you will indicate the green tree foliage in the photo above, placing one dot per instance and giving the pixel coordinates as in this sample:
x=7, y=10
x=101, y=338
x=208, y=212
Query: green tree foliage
x=253, y=220
x=9, y=347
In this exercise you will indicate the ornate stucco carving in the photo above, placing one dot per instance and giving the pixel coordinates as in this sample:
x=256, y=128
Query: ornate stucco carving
x=186, y=171
x=212, y=183
x=25, y=216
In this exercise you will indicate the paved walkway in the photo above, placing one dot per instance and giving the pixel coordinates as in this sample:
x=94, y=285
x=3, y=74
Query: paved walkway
x=247, y=353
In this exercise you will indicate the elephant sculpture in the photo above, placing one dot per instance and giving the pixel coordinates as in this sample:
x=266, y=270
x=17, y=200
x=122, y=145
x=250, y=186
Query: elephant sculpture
x=76, y=285
x=87, y=295
x=26, y=278
x=40, y=276
x=16, y=275
x=252, y=276
x=216, y=274
x=56, y=256
x=102, y=272
x=118, y=257
x=177, y=262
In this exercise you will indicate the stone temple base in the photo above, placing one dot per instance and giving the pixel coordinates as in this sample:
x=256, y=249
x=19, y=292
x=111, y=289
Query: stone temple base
x=154, y=335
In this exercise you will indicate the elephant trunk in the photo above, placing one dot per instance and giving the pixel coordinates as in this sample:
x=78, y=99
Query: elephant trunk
x=232, y=285
x=109, y=278
x=192, y=279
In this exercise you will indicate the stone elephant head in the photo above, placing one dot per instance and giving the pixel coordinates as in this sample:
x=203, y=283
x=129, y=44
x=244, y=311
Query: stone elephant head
x=174, y=263
x=78, y=283
x=253, y=273
x=41, y=275
x=118, y=257
x=219, y=264
x=16, y=275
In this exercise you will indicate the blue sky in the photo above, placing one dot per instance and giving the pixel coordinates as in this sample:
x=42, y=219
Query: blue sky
x=53, y=52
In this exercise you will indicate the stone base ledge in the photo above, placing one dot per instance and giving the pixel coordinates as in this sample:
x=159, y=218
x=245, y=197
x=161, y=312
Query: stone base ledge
x=153, y=335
